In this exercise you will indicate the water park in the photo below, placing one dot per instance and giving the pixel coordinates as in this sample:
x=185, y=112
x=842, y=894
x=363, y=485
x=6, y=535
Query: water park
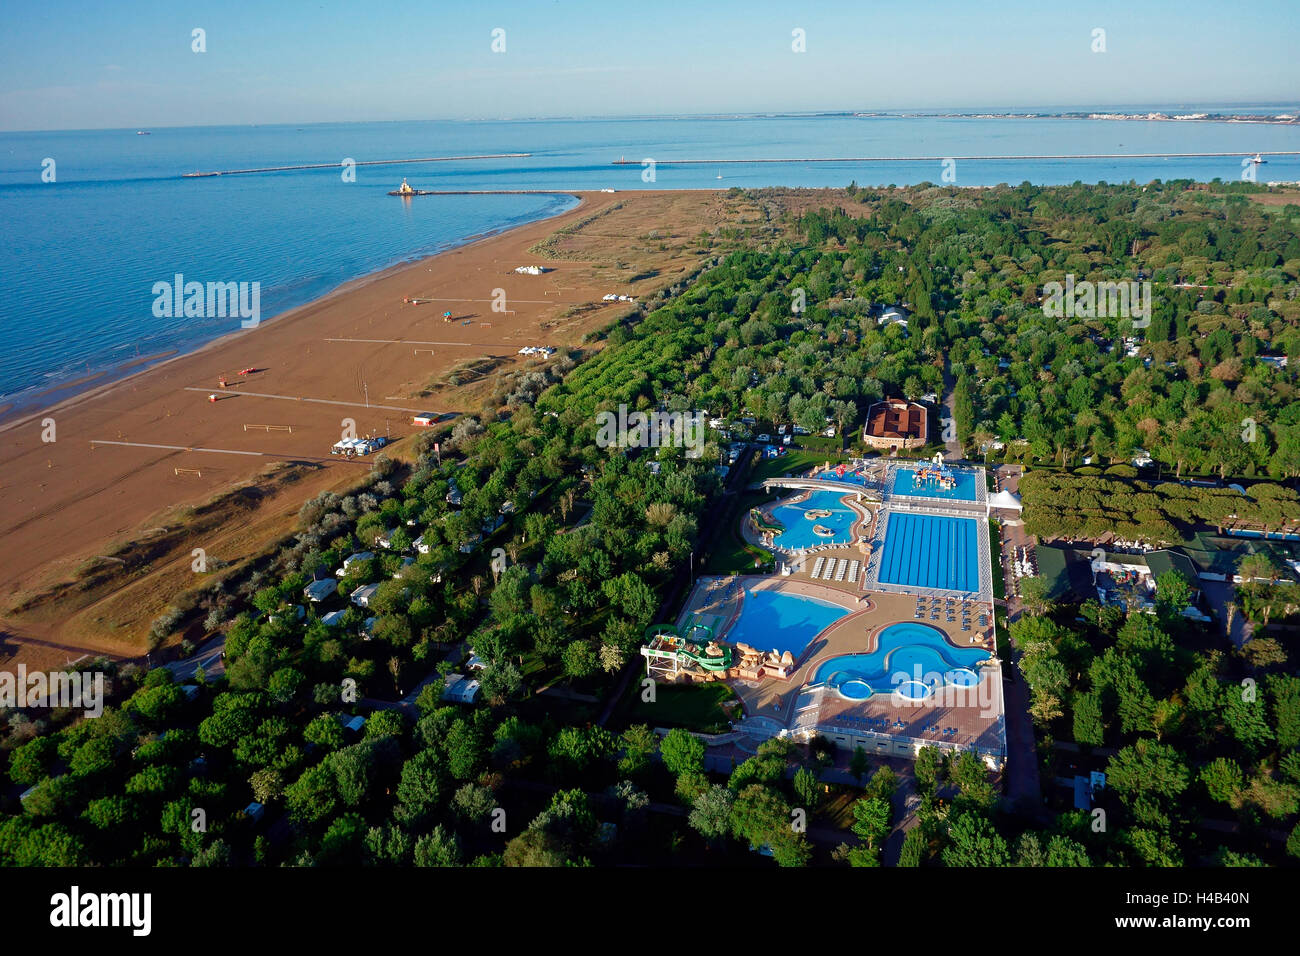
x=875, y=629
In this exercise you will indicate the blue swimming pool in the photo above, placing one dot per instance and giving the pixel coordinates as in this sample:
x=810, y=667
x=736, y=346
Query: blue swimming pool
x=850, y=476
x=910, y=659
x=905, y=483
x=931, y=551
x=798, y=533
x=781, y=621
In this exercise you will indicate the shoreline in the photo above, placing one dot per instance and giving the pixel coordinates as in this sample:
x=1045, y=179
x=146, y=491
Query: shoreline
x=164, y=459
x=17, y=410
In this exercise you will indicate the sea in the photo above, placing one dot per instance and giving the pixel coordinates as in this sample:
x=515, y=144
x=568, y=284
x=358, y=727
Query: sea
x=93, y=219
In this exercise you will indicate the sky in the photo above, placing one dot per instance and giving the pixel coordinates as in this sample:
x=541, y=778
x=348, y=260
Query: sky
x=131, y=63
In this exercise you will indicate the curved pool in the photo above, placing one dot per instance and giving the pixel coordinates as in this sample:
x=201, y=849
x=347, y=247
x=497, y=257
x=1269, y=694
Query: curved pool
x=910, y=659
x=781, y=621
x=799, y=534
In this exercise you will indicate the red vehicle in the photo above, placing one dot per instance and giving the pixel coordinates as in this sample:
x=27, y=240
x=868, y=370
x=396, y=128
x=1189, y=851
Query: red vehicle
x=245, y=371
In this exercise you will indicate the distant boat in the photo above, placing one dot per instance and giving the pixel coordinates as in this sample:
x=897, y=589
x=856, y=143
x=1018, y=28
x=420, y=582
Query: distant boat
x=143, y=132
x=1258, y=161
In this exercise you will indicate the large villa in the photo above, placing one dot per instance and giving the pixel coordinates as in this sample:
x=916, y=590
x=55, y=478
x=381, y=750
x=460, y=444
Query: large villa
x=876, y=628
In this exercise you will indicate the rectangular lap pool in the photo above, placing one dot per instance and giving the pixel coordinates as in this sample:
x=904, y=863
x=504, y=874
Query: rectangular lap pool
x=931, y=551
x=906, y=483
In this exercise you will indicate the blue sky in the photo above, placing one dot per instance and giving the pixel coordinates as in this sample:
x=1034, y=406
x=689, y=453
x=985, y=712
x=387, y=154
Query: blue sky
x=75, y=65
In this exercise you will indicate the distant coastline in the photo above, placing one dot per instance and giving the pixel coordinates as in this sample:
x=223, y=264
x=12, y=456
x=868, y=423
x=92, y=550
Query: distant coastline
x=1277, y=119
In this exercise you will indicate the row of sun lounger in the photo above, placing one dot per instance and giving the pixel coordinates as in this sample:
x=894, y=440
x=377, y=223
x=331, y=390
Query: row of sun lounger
x=836, y=569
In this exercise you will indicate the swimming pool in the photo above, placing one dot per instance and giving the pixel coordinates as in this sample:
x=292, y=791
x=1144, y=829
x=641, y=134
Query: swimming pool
x=905, y=483
x=931, y=551
x=782, y=621
x=798, y=533
x=851, y=476
x=910, y=659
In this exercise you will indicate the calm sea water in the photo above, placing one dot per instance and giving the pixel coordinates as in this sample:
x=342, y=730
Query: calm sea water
x=82, y=253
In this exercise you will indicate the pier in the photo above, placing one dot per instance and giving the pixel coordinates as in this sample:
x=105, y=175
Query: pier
x=940, y=159
x=368, y=162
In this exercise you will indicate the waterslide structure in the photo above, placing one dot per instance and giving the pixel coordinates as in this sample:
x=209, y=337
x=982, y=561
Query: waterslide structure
x=667, y=648
x=764, y=524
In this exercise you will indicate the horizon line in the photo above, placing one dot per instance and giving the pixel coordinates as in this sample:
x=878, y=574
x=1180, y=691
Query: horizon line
x=900, y=112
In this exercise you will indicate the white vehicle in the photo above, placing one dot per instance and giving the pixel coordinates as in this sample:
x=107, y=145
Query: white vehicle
x=764, y=438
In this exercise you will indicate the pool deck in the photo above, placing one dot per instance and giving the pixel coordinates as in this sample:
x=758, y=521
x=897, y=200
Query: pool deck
x=856, y=633
x=863, y=525
x=883, y=723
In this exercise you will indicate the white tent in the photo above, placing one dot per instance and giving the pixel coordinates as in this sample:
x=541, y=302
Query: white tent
x=1005, y=499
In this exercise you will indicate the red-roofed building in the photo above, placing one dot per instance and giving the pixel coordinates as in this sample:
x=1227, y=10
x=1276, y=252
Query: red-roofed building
x=895, y=423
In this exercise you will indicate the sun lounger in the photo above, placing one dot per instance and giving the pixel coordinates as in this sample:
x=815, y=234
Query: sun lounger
x=817, y=568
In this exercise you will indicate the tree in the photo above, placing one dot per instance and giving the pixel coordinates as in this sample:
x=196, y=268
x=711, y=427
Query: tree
x=580, y=660
x=1034, y=595
x=928, y=768
x=682, y=752
x=711, y=812
x=808, y=789
x=1173, y=594
x=439, y=847
x=1148, y=777
x=325, y=732
x=501, y=681
x=1062, y=851
x=860, y=764
x=30, y=762
x=1223, y=780
x=639, y=745
x=758, y=813
x=421, y=787
x=973, y=841
x=914, y=847
x=872, y=817
x=1088, y=726
x=1284, y=696
x=970, y=775
x=313, y=796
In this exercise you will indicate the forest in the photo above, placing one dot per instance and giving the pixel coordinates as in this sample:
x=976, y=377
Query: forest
x=523, y=540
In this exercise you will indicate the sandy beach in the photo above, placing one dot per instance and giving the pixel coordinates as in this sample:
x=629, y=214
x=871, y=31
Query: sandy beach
x=361, y=353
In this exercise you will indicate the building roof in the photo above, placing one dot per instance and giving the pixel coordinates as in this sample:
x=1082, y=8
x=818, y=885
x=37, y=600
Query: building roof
x=896, y=419
x=1161, y=561
x=460, y=689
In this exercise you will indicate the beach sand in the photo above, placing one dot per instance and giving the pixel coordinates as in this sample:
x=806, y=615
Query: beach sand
x=65, y=502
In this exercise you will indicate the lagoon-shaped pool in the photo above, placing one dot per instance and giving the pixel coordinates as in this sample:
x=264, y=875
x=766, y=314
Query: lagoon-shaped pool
x=910, y=659
x=799, y=534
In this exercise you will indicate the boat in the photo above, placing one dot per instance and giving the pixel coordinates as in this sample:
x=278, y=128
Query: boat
x=143, y=132
x=1258, y=160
